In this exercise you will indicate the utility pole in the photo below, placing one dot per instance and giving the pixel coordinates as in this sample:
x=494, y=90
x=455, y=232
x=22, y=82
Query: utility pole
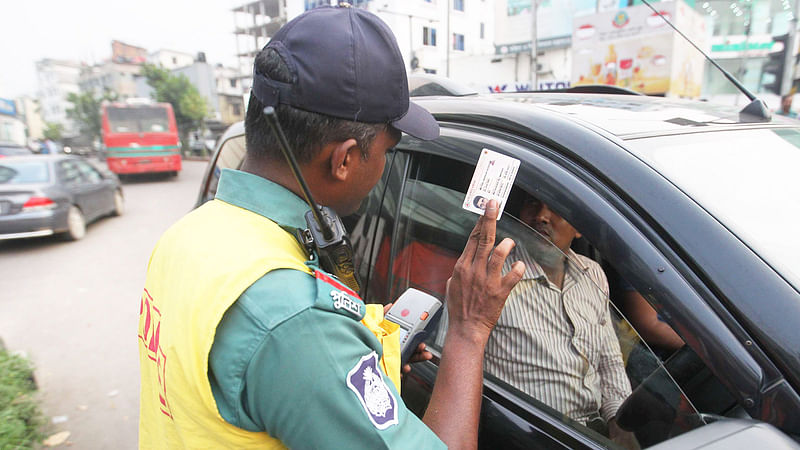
x=535, y=48
x=789, y=54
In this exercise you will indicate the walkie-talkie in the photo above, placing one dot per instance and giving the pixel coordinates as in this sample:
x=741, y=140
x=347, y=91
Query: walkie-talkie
x=325, y=232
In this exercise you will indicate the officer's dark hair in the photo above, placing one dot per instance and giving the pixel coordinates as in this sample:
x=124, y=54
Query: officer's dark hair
x=307, y=132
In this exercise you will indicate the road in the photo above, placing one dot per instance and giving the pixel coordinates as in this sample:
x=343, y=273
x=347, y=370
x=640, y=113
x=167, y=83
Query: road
x=72, y=307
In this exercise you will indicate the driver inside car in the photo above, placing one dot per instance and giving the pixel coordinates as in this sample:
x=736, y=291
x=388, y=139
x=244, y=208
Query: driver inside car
x=555, y=339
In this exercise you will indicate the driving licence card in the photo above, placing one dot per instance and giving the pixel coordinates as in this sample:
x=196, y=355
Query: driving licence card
x=493, y=178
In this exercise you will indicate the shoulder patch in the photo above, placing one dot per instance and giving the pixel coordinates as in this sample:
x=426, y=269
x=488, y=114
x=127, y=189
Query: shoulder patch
x=334, y=296
x=366, y=380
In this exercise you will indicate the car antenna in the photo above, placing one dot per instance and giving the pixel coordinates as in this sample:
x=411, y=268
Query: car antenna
x=756, y=109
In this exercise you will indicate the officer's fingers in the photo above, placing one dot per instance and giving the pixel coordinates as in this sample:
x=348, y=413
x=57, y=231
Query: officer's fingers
x=488, y=227
x=386, y=308
x=472, y=242
x=513, y=276
x=499, y=255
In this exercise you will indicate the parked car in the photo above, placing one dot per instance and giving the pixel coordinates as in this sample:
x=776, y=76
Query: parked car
x=10, y=149
x=693, y=204
x=42, y=195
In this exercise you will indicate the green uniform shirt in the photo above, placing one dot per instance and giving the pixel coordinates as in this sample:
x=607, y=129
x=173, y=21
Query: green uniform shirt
x=290, y=360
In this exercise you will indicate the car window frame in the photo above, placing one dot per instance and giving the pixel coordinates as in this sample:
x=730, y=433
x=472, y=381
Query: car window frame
x=589, y=194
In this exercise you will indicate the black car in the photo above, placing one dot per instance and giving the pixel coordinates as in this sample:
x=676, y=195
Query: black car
x=41, y=195
x=692, y=204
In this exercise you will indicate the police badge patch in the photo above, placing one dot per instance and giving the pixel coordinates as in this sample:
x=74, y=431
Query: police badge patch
x=366, y=380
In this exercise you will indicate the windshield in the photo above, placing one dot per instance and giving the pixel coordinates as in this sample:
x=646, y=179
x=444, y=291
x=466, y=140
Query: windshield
x=746, y=179
x=140, y=119
x=29, y=172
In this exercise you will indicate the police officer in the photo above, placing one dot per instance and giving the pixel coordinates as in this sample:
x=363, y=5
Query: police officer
x=244, y=341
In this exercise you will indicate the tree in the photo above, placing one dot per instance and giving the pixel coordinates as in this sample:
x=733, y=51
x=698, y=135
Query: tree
x=85, y=112
x=189, y=106
x=53, y=131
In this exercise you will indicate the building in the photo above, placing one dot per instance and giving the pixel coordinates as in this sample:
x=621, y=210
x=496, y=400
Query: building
x=254, y=23
x=110, y=76
x=56, y=80
x=170, y=59
x=12, y=129
x=28, y=112
x=742, y=39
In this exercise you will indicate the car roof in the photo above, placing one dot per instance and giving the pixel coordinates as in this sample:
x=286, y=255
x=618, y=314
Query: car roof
x=623, y=116
x=38, y=158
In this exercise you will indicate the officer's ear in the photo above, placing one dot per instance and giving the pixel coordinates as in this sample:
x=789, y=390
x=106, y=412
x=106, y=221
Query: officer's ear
x=343, y=157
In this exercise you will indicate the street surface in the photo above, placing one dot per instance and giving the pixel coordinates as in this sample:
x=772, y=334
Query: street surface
x=72, y=308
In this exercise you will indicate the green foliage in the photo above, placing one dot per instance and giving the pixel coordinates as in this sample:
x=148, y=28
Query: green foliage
x=189, y=106
x=53, y=131
x=21, y=420
x=86, y=113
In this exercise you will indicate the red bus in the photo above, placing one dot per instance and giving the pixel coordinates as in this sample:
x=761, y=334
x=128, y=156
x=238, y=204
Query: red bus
x=141, y=137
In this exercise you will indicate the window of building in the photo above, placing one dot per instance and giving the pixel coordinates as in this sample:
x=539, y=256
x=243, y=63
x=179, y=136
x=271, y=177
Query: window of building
x=429, y=36
x=233, y=82
x=174, y=60
x=458, y=41
x=458, y=5
x=237, y=109
x=483, y=27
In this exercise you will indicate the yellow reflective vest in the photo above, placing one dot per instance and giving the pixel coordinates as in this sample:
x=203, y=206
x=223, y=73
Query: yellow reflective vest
x=198, y=269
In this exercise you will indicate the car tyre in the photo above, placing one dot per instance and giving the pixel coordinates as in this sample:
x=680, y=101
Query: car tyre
x=119, y=204
x=76, y=224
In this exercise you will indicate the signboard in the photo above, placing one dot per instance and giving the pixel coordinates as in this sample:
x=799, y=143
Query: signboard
x=634, y=48
x=541, y=44
x=8, y=107
x=525, y=86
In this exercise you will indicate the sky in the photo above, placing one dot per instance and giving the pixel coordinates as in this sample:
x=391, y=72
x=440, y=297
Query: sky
x=82, y=30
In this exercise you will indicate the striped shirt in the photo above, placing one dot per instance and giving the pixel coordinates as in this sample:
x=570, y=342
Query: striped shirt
x=559, y=345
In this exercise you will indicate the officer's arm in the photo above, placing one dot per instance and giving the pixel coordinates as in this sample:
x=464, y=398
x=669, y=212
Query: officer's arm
x=476, y=294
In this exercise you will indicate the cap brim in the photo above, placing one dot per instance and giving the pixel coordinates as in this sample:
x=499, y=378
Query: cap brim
x=418, y=122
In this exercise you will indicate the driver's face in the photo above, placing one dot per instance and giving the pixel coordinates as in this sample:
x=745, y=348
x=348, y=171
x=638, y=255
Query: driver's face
x=541, y=218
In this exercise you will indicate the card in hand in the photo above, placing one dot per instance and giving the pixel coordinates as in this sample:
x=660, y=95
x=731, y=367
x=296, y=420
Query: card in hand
x=493, y=178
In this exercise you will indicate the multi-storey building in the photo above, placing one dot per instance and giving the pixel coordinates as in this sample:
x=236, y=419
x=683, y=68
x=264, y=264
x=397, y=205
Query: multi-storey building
x=170, y=59
x=56, y=80
x=110, y=76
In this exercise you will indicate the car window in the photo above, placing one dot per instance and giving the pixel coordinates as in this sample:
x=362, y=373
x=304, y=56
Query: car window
x=69, y=172
x=231, y=155
x=600, y=346
x=27, y=172
x=88, y=172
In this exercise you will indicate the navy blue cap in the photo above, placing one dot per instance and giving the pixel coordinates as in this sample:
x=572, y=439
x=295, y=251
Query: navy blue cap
x=345, y=63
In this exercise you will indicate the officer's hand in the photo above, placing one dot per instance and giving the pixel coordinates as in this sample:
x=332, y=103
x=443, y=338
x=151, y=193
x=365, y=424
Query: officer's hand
x=478, y=290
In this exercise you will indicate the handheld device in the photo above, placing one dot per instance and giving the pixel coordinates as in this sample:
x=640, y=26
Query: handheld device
x=417, y=313
x=325, y=233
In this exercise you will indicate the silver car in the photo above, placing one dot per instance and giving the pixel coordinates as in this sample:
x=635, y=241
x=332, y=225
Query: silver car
x=41, y=195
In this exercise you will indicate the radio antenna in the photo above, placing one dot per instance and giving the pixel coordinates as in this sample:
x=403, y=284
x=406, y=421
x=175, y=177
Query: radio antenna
x=756, y=108
x=283, y=143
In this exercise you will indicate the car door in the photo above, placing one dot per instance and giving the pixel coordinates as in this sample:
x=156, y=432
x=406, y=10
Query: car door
x=82, y=193
x=99, y=190
x=420, y=230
